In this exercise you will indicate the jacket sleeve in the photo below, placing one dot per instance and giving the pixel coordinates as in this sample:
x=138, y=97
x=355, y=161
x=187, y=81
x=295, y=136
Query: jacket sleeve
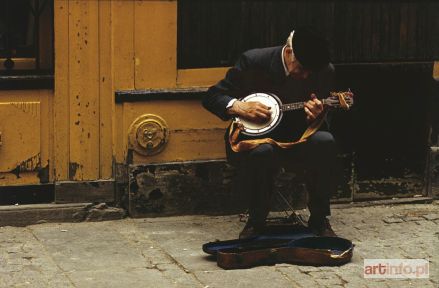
x=220, y=94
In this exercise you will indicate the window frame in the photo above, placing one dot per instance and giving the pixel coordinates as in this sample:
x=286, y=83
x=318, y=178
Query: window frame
x=34, y=72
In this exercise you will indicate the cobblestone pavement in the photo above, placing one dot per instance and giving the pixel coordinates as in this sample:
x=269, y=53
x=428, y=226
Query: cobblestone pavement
x=166, y=252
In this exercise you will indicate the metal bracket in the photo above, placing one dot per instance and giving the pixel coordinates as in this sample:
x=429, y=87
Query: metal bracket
x=148, y=134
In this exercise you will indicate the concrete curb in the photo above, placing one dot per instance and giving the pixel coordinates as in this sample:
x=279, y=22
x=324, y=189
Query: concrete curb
x=396, y=201
x=23, y=215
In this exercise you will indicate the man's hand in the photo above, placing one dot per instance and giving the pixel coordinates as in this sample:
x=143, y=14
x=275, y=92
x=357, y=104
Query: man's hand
x=253, y=111
x=313, y=108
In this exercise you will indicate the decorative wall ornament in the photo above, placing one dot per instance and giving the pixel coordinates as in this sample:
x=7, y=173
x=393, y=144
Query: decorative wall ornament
x=148, y=134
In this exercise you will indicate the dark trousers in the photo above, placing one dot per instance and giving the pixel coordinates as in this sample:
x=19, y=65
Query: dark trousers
x=258, y=167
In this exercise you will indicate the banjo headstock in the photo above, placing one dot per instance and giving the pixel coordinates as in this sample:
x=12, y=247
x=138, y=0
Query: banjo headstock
x=340, y=99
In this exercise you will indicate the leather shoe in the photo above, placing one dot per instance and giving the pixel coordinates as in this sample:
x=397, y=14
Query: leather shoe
x=321, y=227
x=249, y=231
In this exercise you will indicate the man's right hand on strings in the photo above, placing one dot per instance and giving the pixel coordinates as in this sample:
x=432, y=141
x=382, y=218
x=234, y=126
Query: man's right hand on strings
x=253, y=111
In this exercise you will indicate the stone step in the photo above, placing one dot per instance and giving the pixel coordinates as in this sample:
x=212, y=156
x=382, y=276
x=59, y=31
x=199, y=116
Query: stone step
x=23, y=215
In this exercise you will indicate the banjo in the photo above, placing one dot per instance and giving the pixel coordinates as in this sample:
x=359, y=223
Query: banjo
x=336, y=100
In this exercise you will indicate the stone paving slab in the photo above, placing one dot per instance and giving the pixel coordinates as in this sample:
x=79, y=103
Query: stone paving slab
x=87, y=247
x=24, y=261
x=120, y=277
x=255, y=277
x=166, y=252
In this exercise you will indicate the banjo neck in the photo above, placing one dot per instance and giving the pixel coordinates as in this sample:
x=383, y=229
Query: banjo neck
x=295, y=106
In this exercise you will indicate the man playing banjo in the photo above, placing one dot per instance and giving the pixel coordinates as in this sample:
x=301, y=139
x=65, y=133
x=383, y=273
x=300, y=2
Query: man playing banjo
x=298, y=71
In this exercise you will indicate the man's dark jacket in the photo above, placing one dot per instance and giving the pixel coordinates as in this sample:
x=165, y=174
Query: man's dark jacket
x=261, y=70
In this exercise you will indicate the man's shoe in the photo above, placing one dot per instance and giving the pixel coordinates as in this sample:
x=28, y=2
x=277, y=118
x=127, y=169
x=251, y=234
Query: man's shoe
x=249, y=231
x=321, y=227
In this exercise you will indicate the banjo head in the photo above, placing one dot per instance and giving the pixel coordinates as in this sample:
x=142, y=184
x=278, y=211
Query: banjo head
x=256, y=129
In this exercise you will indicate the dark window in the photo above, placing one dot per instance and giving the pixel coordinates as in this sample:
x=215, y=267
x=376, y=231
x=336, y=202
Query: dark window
x=213, y=33
x=26, y=37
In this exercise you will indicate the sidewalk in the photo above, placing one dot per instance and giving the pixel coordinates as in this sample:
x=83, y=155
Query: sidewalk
x=166, y=252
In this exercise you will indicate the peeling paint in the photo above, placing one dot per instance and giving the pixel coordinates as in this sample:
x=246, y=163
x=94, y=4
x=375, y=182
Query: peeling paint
x=130, y=156
x=43, y=174
x=120, y=170
x=168, y=189
x=28, y=107
x=16, y=172
x=73, y=168
x=29, y=165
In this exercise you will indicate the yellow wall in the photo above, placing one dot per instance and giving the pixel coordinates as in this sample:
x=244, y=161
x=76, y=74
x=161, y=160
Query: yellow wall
x=26, y=127
x=105, y=46
x=102, y=46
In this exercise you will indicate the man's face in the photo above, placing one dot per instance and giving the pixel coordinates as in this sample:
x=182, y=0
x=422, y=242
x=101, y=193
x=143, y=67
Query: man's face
x=297, y=72
x=295, y=69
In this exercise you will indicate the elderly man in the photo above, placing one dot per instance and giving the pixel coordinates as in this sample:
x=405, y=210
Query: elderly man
x=297, y=71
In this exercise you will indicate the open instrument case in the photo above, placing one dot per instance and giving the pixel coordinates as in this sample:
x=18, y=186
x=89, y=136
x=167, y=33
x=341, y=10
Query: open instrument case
x=281, y=244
